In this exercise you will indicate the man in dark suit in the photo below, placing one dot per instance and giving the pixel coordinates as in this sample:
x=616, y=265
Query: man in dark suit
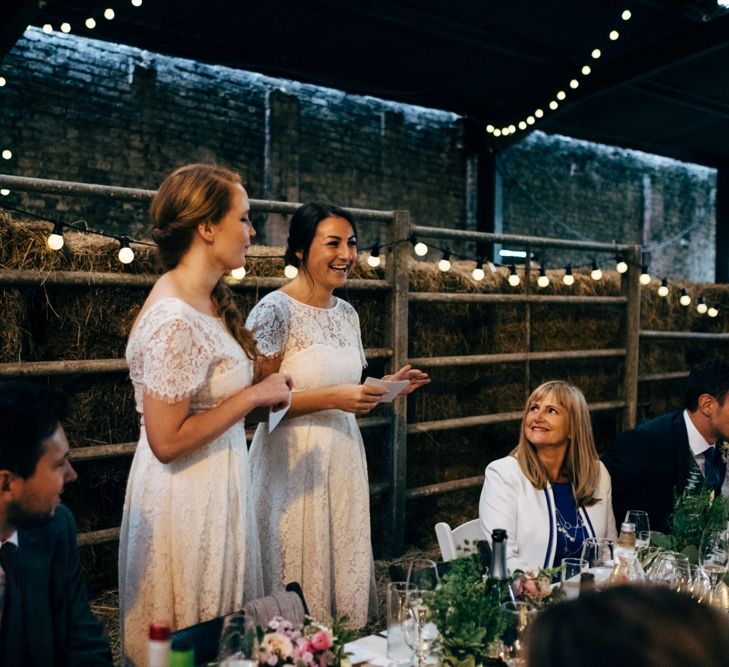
x=649, y=465
x=45, y=617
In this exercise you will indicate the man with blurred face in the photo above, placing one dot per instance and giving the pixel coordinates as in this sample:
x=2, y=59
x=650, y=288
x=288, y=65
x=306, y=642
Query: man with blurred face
x=44, y=612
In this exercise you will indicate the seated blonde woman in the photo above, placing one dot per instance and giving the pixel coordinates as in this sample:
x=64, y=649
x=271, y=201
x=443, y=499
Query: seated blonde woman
x=551, y=492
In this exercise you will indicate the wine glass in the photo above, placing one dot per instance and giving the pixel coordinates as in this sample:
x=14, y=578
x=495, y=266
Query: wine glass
x=714, y=553
x=423, y=574
x=418, y=629
x=598, y=552
x=519, y=615
x=642, y=527
x=664, y=569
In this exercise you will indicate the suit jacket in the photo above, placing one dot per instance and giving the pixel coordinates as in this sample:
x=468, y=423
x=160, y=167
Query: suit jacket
x=60, y=629
x=649, y=467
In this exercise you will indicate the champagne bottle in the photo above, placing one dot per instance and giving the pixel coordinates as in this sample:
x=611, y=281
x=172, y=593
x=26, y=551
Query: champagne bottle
x=499, y=580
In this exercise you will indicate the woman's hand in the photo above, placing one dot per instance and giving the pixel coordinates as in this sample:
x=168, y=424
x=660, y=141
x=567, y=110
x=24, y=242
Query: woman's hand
x=417, y=378
x=356, y=398
x=274, y=391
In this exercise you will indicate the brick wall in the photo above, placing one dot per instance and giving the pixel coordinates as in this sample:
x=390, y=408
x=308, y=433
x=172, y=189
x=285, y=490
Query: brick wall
x=83, y=110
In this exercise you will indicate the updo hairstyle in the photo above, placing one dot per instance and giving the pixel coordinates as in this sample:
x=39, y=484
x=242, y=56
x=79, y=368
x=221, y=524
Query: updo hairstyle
x=188, y=197
x=302, y=230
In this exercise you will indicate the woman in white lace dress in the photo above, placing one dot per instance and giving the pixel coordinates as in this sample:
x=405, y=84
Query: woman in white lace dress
x=188, y=547
x=310, y=474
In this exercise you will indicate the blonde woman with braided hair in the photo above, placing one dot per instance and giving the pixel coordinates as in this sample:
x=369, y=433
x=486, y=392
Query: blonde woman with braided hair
x=189, y=547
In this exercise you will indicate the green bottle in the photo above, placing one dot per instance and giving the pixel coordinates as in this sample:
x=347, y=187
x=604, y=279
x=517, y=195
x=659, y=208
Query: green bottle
x=182, y=654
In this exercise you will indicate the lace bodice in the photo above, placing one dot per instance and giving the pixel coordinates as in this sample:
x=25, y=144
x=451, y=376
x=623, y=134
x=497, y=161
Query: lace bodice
x=328, y=339
x=177, y=352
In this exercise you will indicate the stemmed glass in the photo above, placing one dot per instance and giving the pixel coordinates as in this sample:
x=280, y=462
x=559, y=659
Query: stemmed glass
x=664, y=569
x=642, y=527
x=598, y=552
x=423, y=574
x=714, y=553
x=572, y=568
x=519, y=615
x=418, y=629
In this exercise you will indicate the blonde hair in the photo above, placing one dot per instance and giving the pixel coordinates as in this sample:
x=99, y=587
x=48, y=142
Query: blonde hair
x=189, y=196
x=581, y=462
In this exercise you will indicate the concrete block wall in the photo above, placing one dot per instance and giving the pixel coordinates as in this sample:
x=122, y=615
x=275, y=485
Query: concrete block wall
x=84, y=110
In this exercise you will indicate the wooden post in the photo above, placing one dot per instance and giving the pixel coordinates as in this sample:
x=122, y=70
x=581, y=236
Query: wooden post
x=397, y=338
x=631, y=289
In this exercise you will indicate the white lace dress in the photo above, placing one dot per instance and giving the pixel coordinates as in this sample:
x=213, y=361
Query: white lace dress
x=310, y=475
x=188, y=547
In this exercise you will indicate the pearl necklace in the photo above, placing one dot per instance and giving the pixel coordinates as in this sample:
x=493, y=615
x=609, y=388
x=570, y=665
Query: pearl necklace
x=564, y=526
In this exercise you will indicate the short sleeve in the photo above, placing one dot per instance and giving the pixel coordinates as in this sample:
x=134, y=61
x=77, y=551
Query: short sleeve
x=176, y=360
x=269, y=324
x=357, y=331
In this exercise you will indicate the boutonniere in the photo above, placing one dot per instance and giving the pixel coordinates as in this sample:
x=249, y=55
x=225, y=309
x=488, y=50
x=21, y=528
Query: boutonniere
x=723, y=446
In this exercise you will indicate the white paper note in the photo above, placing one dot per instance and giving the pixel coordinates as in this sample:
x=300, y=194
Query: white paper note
x=275, y=417
x=393, y=387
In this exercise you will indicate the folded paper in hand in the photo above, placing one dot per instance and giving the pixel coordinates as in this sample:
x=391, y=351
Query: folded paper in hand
x=393, y=387
x=275, y=417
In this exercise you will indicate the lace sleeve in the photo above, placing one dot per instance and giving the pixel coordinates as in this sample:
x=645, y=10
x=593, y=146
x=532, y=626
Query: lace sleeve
x=176, y=360
x=353, y=319
x=269, y=324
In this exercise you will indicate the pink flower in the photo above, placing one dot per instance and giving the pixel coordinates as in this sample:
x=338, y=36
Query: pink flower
x=303, y=646
x=275, y=646
x=322, y=641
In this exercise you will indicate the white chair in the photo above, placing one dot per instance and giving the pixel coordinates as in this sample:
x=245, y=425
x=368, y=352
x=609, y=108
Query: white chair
x=449, y=540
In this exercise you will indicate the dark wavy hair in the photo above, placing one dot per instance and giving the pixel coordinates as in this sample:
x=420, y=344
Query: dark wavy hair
x=302, y=230
x=29, y=415
x=189, y=196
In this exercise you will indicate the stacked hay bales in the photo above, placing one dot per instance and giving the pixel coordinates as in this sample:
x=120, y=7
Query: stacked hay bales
x=53, y=322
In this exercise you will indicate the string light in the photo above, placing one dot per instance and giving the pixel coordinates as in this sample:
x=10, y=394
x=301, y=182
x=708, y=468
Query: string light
x=2, y=81
x=621, y=266
x=701, y=306
x=65, y=27
x=126, y=254
x=478, y=273
x=445, y=263
x=645, y=277
x=7, y=154
x=419, y=248
x=596, y=53
x=90, y=23
x=568, y=279
x=373, y=259
x=513, y=278
x=4, y=192
x=290, y=271
x=586, y=69
x=543, y=279
x=713, y=311
x=614, y=35
x=684, y=299
x=663, y=289
x=47, y=28
x=626, y=15
x=239, y=273
x=137, y=3
x=55, y=239
x=109, y=14
x=574, y=83
x=595, y=274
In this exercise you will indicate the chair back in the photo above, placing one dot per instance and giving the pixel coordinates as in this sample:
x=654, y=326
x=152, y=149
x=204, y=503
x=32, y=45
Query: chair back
x=449, y=540
x=204, y=637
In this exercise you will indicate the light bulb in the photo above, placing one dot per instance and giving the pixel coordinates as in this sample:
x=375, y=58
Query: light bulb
x=90, y=23
x=663, y=289
x=684, y=299
x=701, y=306
x=420, y=249
x=65, y=27
x=497, y=132
x=239, y=273
x=568, y=278
x=126, y=254
x=4, y=192
x=137, y=3
x=614, y=34
x=530, y=120
x=2, y=81
x=574, y=84
x=55, y=240
x=109, y=14
x=626, y=15
x=553, y=105
x=543, y=279
x=47, y=28
x=539, y=113
x=522, y=125
x=712, y=312
x=621, y=266
x=290, y=271
x=490, y=129
x=561, y=95
x=645, y=277
x=595, y=274
x=513, y=278
x=478, y=272
x=445, y=263
x=586, y=69
x=7, y=154
x=373, y=259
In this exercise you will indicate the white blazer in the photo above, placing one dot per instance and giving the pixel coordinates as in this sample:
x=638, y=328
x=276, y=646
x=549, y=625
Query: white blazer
x=510, y=501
